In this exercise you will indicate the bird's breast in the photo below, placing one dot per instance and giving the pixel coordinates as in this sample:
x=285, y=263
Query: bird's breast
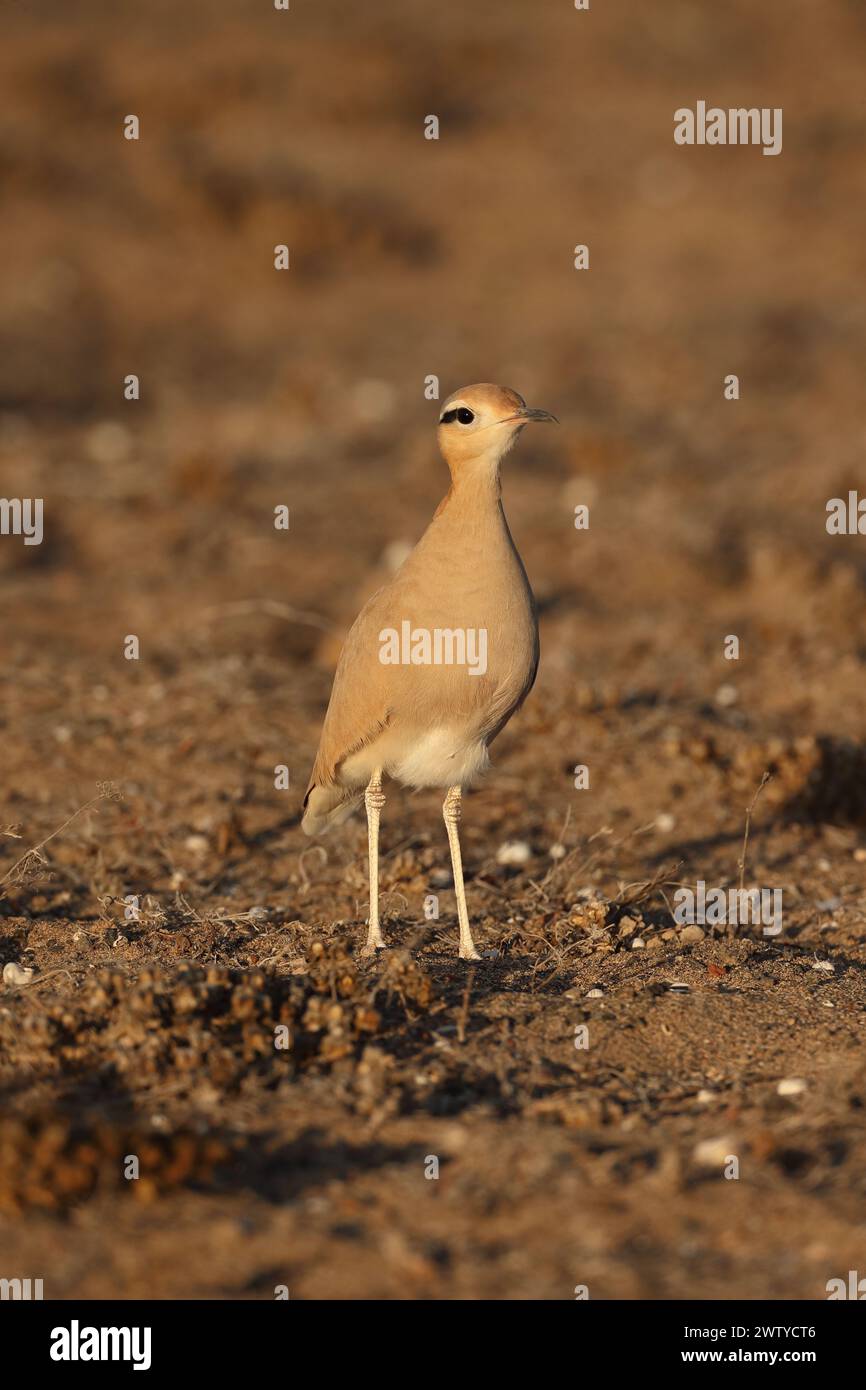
x=460, y=643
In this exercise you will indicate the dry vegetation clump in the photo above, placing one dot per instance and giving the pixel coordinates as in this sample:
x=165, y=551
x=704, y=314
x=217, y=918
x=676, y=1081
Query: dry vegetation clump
x=815, y=778
x=212, y=1023
x=197, y=1022
x=833, y=787
x=403, y=978
x=51, y=1163
x=178, y=1033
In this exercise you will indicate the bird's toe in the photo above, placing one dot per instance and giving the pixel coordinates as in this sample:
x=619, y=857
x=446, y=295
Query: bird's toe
x=371, y=948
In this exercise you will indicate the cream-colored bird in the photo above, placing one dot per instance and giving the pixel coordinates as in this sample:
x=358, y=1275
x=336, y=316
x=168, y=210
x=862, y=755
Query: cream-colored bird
x=441, y=657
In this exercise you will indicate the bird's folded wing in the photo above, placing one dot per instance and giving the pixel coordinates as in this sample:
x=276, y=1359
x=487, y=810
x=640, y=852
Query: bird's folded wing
x=358, y=708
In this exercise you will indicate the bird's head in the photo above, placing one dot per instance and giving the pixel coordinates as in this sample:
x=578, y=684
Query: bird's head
x=479, y=424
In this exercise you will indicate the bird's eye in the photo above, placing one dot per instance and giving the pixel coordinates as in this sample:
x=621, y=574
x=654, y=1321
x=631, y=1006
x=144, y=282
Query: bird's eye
x=459, y=413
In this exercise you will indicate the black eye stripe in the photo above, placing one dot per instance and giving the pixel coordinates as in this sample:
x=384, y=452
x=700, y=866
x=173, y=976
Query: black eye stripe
x=459, y=413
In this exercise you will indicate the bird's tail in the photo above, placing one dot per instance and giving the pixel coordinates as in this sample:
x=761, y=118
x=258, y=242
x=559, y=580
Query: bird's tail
x=326, y=806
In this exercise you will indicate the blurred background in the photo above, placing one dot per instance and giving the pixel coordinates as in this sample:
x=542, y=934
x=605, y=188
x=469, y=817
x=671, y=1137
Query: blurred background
x=411, y=258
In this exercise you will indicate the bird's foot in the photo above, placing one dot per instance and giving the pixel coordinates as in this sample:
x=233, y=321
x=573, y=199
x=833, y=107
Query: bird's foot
x=469, y=953
x=371, y=947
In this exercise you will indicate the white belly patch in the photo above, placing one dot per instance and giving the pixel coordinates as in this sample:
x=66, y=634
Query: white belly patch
x=439, y=758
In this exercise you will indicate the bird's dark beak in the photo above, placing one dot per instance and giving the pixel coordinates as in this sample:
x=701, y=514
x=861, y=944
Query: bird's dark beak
x=526, y=413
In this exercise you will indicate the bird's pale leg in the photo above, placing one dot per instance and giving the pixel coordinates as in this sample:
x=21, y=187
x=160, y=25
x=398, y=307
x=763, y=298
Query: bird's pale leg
x=451, y=814
x=374, y=800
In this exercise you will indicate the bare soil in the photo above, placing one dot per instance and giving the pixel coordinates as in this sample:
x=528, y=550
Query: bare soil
x=180, y=921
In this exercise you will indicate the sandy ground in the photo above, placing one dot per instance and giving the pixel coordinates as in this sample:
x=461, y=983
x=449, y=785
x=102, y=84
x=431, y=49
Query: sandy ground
x=150, y=1030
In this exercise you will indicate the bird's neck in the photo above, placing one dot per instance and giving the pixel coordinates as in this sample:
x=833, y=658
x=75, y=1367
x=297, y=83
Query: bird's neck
x=472, y=509
x=476, y=484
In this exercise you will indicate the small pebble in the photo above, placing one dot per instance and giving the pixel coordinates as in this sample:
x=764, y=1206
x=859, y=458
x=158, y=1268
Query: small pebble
x=826, y=965
x=712, y=1153
x=638, y=943
x=595, y=993
x=557, y=851
x=196, y=844
x=678, y=987
x=705, y=1097
x=726, y=695
x=791, y=1086
x=15, y=974
x=691, y=934
x=514, y=852
x=665, y=822
x=860, y=855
